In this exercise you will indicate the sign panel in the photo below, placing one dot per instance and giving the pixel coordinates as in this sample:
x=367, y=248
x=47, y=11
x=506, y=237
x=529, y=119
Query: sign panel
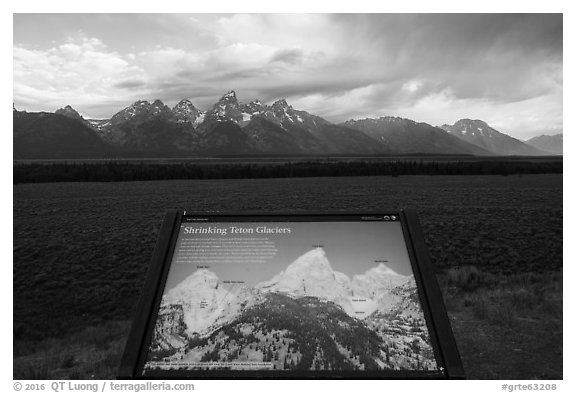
x=291, y=297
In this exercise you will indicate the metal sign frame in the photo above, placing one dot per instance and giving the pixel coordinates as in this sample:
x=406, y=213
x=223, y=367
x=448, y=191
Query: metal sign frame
x=442, y=338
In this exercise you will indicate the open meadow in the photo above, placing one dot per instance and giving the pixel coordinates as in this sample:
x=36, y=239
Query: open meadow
x=81, y=252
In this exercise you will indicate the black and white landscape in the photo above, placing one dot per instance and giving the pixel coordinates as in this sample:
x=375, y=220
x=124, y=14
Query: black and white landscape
x=118, y=117
x=306, y=317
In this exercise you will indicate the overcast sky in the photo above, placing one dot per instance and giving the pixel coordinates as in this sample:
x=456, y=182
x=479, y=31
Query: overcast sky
x=504, y=69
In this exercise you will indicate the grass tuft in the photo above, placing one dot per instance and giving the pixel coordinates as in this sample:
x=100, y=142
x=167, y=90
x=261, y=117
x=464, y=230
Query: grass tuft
x=469, y=278
x=93, y=353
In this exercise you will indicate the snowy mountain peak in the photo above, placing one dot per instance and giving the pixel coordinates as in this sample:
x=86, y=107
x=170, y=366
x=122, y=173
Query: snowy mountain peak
x=140, y=103
x=471, y=129
x=285, y=113
x=184, y=104
x=226, y=109
x=376, y=280
x=281, y=104
x=137, y=107
x=142, y=110
x=185, y=111
x=202, y=300
x=69, y=108
x=228, y=99
x=204, y=276
x=471, y=123
x=309, y=275
x=202, y=282
x=254, y=108
x=479, y=133
x=158, y=107
x=312, y=275
x=382, y=269
x=206, y=303
x=315, y=258
x=68, y=111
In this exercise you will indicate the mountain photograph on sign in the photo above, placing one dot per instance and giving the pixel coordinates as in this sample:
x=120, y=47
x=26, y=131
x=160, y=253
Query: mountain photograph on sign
x=306, y=316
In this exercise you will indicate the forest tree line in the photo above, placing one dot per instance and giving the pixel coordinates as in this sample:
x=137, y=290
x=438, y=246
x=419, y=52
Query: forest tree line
x=125, y=171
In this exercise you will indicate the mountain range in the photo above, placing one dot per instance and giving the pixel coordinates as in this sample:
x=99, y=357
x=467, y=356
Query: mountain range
x=482, y=135
x=230, y=128
x=307, y=316
x=552, y=144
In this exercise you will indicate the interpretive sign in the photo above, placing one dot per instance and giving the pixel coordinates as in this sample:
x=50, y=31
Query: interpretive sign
x=291, y=296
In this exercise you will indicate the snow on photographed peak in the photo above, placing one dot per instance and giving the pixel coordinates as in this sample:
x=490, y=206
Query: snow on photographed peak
x=382, y=269
x=312, y=275
x=205, y=302
x=309, y=275
x=376, y=281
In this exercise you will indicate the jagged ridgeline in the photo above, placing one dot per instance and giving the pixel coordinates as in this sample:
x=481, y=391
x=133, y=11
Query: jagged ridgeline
x=307, y=317
x=232, y=128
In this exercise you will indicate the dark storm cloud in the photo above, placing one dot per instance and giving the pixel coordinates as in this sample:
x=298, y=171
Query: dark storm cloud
x=291, y=56
x=252, y=73
x=288, y=90
x=130, y=84
x=477, y=55
x=454, y=35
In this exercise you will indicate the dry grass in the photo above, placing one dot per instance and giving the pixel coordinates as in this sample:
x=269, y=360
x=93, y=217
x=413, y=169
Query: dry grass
x=510, y=324
x=93, y=353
